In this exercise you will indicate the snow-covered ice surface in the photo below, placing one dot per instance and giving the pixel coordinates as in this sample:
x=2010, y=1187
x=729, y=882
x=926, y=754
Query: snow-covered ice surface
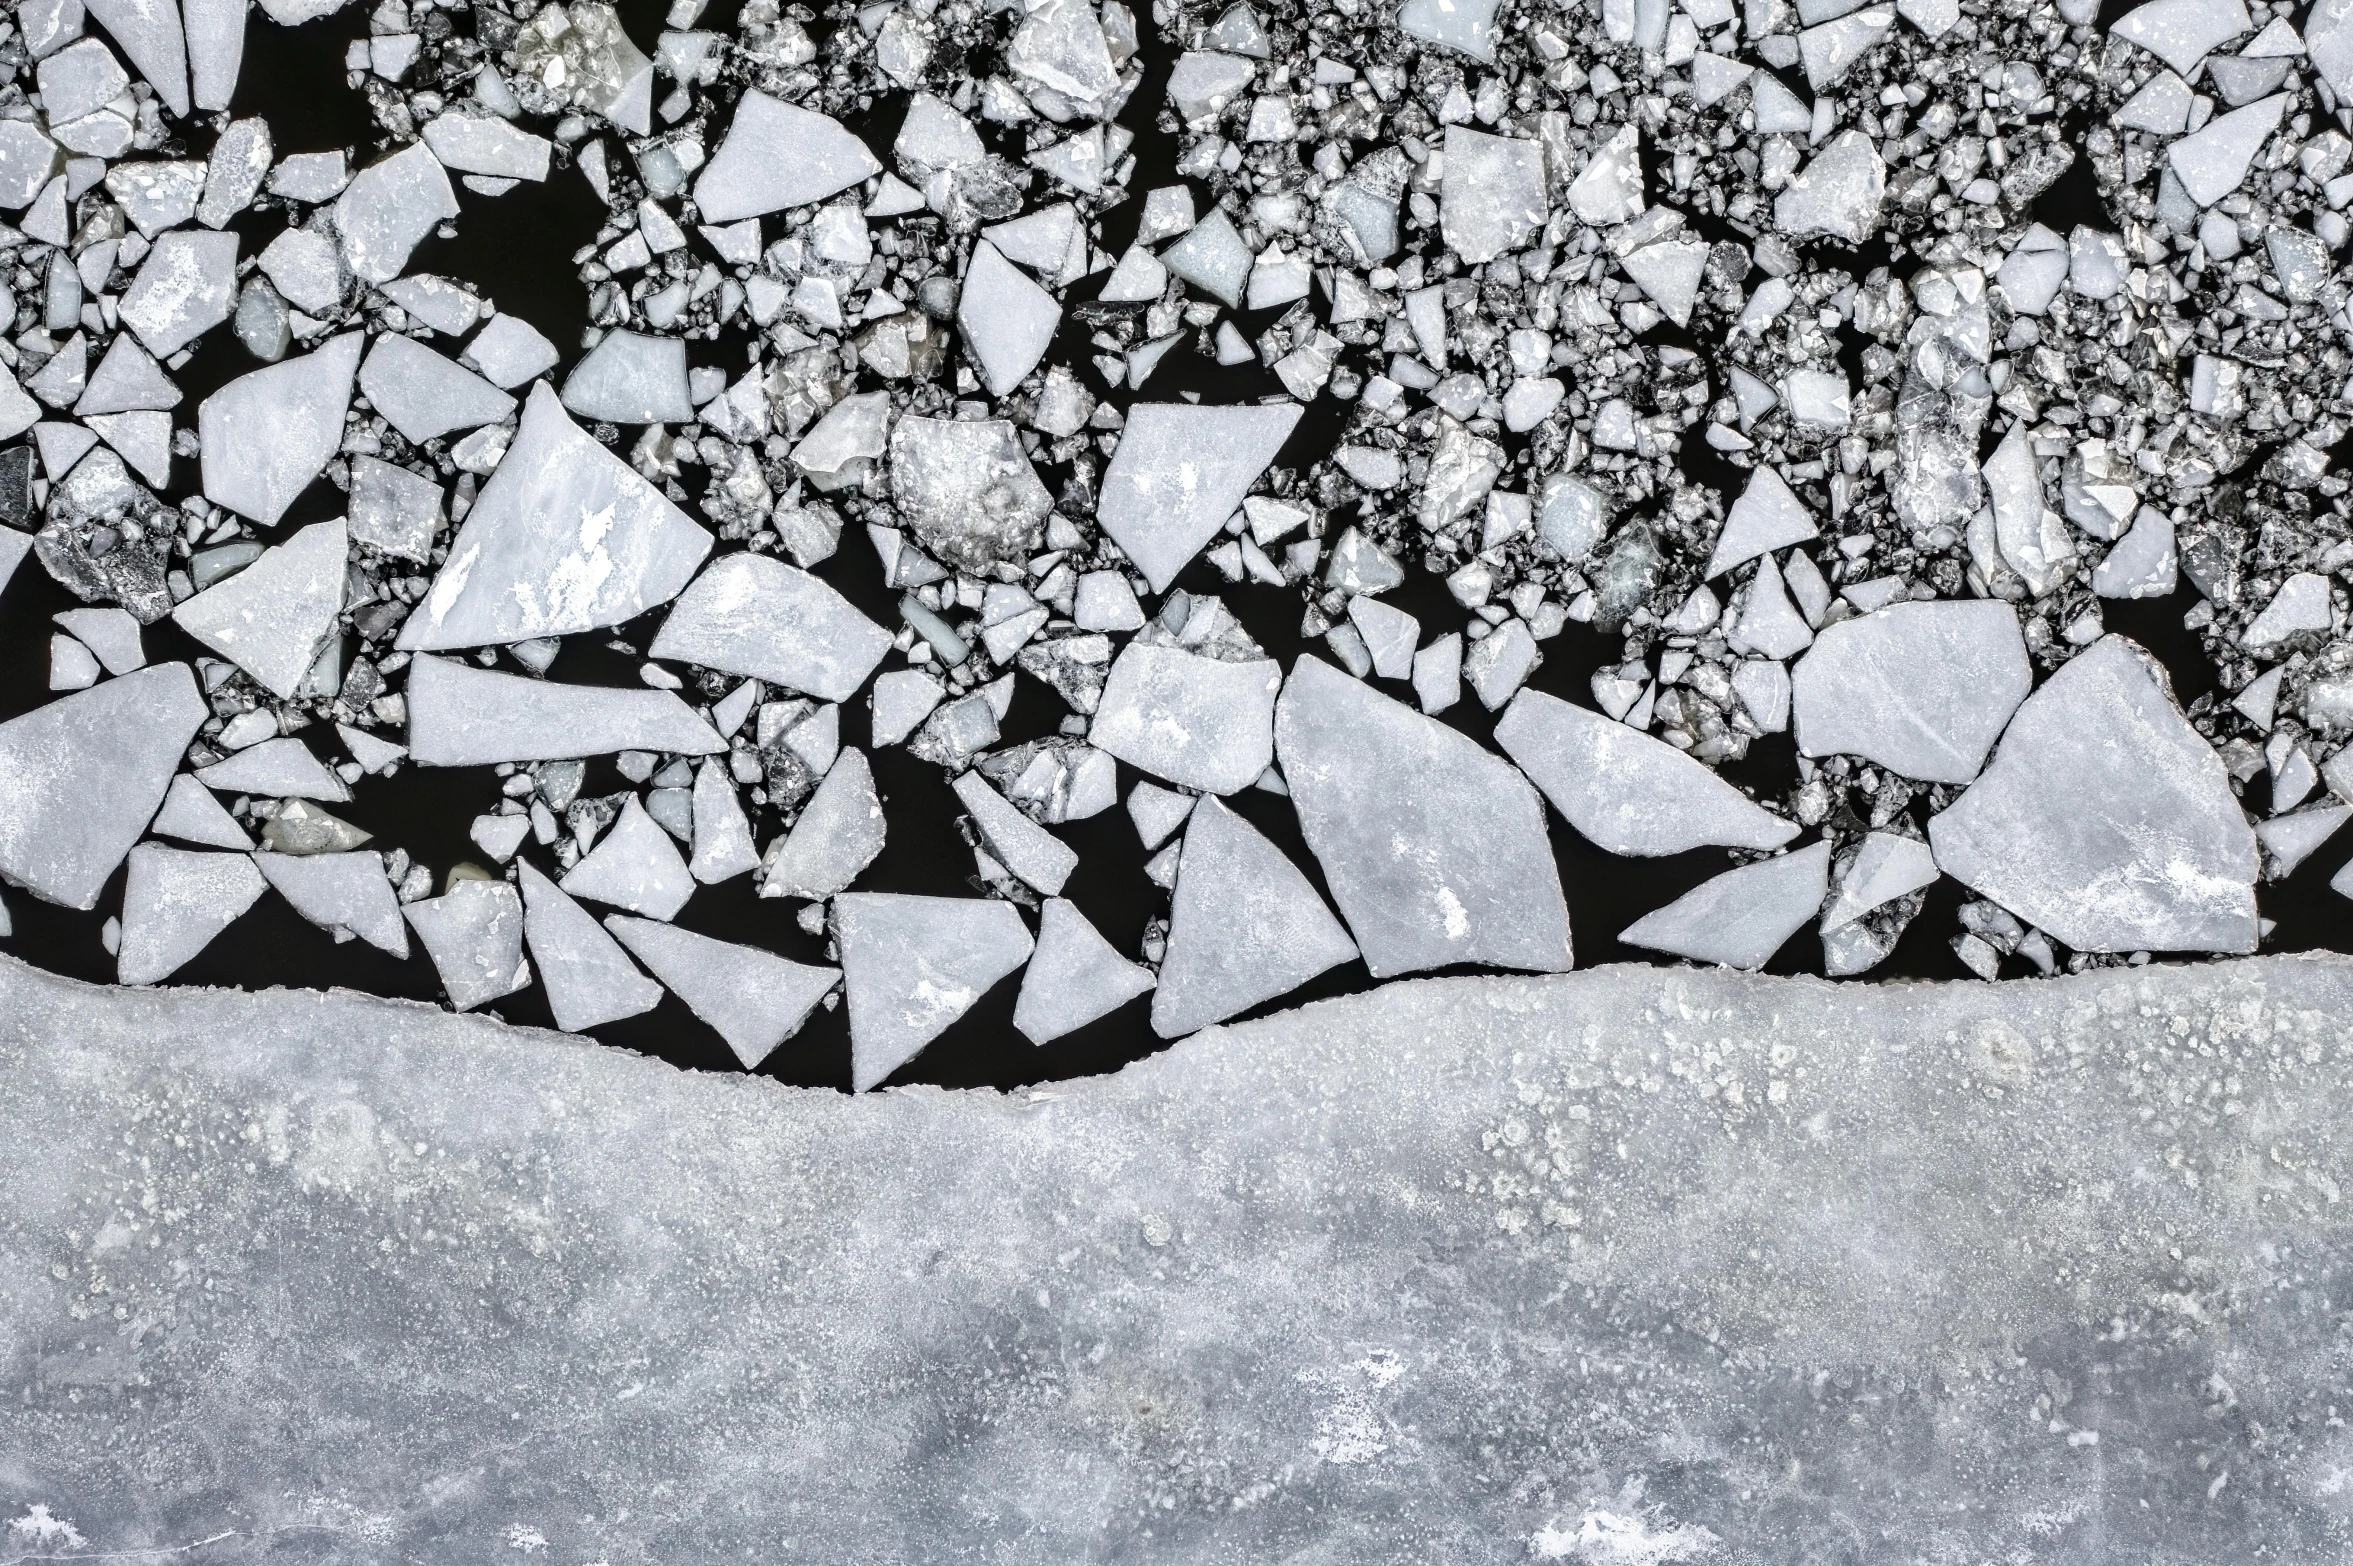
x=1607, y=1267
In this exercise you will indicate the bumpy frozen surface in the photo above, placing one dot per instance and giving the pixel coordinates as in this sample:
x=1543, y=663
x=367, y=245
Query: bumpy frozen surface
x=1613, y=1267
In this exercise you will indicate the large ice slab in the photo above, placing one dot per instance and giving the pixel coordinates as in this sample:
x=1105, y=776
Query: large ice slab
x=1245, y=926
x=1626, y=792
x=776, y=155
x=2105, y=819
x=754, y=614
x=1923, y=689
x=272, y=618
x=755, y=1000
x=1193, y=719
x=1433, y=846
x=461, y=716
x=81, y=777
x=1180, y=472
x=267, y=435
x=913, y=965
x=565, y=537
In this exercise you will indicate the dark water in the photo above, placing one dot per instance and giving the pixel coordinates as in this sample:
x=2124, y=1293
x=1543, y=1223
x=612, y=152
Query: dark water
x=517, y=249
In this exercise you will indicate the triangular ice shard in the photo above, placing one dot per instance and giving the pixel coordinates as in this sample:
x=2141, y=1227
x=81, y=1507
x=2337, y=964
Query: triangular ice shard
x=588, y=978
x=271, y=618
x=1074, y=977
x=266, y=435
x=635, y=866
x=913, y=965
x=174, y=902
x=1245, y=926
x=474, y=934
x=343, y=894
x=839, y=833
x=755, y=1000
x=1742, y=917
x=1180, y=472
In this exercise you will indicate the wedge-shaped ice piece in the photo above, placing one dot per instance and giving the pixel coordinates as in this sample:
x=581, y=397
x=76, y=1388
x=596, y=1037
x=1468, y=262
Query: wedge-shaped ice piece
x=267, y=435
x=1491, y=196
x=282, y=768
x=754, y=1000
x=2328, y=36
x=2183, y=32
x=1670, y=272
x=1769, y=622
x=436, y=303
x=175, y=901
x=629, y=378
x=1609, y=190
x=1007, y=321
x=912, y=965
x=1922, y=689
x=1074, y=977
x=461, y=716
x=271, y=618
x=393, y=509
x=1180, y=472
x=474, y=934
x=509, y=351
x=1465, y=26
x=150, y=33
x=1742, y=917
x=143, y=439
x=127, y=380
x=753, y=614
x=2291, y=839
x=425, y=395
x=967, y=490
x=1887, y=866
x=192, y=815
x=1020, y=844
x=1833, y=48
x=722, y=832
x=839, y=833
x=588, y=978
x=1433, y=847
x=486, y=144
x=1191, y=719
x=1245, y=926
x=565, y=537
x=216, y=49
x=344, y=894
x=81, y=778
x=635, y=866
x=1838, y=193
x=2105, y=819
x=2211, y=162
x=2300, y=606
x=18, y=411
x=233, y=175
x=185, y=288
x=388, y=209
x=1626, y=792
x=2143, y=563
x=112, y=634
x=1767, y=516
x=777, y=156
x=902, y=699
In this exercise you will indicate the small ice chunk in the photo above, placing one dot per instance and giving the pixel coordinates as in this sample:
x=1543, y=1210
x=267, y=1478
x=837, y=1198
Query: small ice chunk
x=267, y=435
x=752, y=999
x=1491, y=196
x=1922, y=688
x=2183, y=32
x=1499, y=664
x=112, y=634
x=1767, y=517
x=1389, y=636
x=1769, y=623
x=344, y=894
x=424, y=395
x=1433, y=847
x=462, y=716
x=2161, y=107
x=1838, y=193
x=2291, y=839
x=1437, y=673
x=79, y=79
x=393, y=509
x=233, y=175
x=1245, y=926
x=388, y=209
x=634, y=866
x=2300, y=607
x=1887, y=866
x=1626, y=792
x=565, y=537
x=81, y=777
x=840, y=832
x=1194, y=720
x=282, y=768
x=967, y=491
x=629, y=378
x=499, y=836
x=311, y=177
x=2143, y=564
x=1028, y=850
x=305, y=268
x=1074, y=977
x=1742, y=917
x=1670, y=272
x=436, y=302
x=1157, y=812
x=143, y=439
x=722, y=832
x=2210, y=162
x=1833, y=48
x=2105, y=819
x=150, y=33
x=486, y=144
x=1007, y=320
x=474, y=934
x=1180, y=471
x=913, y=965
x=509, y=351
x=192, y=815
x=185, y=288
x=1212, y=257
x=127, y=380
x=2031, y=538
x=1609, y=190
x=776, y=155
x=72, y=667
x=1204, y=82
x=28, y=162
x=174, y=902
x=156, y=195
x=272, y=618
x=752, y=614
x=902, y=699
x=588, y=978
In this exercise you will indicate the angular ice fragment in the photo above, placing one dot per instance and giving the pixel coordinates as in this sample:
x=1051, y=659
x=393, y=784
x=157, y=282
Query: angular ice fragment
x=629, y=378
x=1921, y=688
x=839, y=833
x=1768, y=516
x=149, y=31
x=722, y=833
x=912, y=965
x=282, y=768
x=752, y=614
x=1499, y=663
x=752, y=999
x=28, y=162
x=775, y=156
x=1389, y=636
x=474, y=934
x=485, y=144
x=1625, y=792
x=902, y=699
x=2031, y=537
x=1194, y=720
x=1031, y=852
x=588, y=978
x=461, y=716
x=1213, y=258
x=1833, y=48
x=110, y=633
x=185, y=288
x=424, y=395
x=967, y=490
x=345, y=895
x=1180, y=471
x=1007, y=320
x=1838, y=193
x=81, y=777
x=1245, y=926
x=634, y=866
x=509, y=351
x=2210, y=162
x=2300, y=607
x=393, y=509
x=2105, y=819
x=2183, y=32
x=1074, y=977
x=2142, y=564
x=272, y=618
x=388, y=209
x=192, y=815
x=565, y=537
x=1204, y=82
x=156, y=195
x=127, y=380
x=1609, y=191
x=174, y=902
x=1491, y=196
x=1742, y=917
x=1433, y=847
x=1670, y=273
x=265, y=436
x=1887, y=866
x=1769, y=623
x=2289, y=840
x=216, y=49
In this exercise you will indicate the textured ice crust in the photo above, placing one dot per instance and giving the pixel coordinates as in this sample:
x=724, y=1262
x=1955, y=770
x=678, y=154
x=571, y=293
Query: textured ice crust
x=1615, y=1266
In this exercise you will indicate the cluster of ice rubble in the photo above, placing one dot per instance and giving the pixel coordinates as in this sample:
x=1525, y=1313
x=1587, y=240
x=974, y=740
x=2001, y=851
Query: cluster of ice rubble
x=1750, y=337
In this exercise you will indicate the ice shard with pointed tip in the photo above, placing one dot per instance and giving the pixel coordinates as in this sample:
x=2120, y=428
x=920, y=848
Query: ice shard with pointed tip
x=344, y=894
x=913, y=965
x=634, y=866
x=751, y=614
x=81, y=777
x=776, y=155
x=267, y=435
x=1074, y=977
x=1245, y=926
x=839, y=833
x=1741, y=918
x=175, y=901
x=461, y=716
x=474, y=934
x=271, y=618
x=588, y=978
x=753, y=999
x=1180, y=472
